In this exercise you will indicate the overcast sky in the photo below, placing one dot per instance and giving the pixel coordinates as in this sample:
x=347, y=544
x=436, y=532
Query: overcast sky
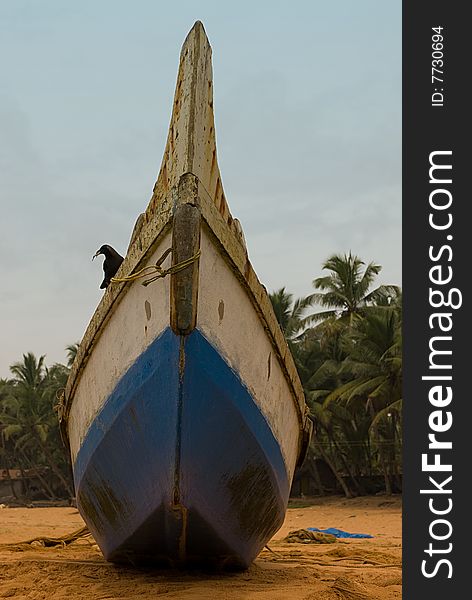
x=308, y=121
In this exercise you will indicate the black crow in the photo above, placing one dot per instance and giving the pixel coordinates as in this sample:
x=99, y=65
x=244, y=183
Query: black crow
x=111, y=264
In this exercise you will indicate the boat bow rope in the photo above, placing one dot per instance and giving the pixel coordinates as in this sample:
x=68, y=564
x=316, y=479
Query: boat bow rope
x=150, y=269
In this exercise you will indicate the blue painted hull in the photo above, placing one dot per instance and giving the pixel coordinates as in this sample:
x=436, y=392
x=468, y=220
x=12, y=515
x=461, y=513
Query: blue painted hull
x=180, y=465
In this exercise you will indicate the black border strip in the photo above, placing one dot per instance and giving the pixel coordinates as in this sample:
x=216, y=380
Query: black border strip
x=442, y=127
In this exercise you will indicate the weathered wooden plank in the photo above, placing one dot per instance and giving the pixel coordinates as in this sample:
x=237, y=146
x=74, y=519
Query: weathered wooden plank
x=184, y=284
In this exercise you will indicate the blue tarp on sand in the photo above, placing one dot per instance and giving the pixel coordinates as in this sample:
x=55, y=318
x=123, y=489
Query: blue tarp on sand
x=339, y=533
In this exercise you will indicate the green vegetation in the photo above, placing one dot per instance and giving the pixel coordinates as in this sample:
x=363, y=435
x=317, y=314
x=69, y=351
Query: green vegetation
x=29, y=429
x=350, y=363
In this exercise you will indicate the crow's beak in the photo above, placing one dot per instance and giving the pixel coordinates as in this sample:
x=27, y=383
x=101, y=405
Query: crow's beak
x=96, y=254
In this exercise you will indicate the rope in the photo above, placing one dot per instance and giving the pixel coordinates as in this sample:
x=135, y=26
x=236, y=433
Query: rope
x=151, y=269
x=63, y=540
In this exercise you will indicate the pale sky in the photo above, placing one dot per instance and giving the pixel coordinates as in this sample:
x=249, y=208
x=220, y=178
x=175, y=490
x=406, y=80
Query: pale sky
x=308, y=123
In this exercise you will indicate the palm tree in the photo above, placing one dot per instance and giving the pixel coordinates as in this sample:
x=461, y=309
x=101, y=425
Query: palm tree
x=7, y=450
x=363, y=391
x=30, y=372
x=289, y=313
x=71, y=351
x=346, y=291
x=290, y=316
x=377, y=358
x=29, y=418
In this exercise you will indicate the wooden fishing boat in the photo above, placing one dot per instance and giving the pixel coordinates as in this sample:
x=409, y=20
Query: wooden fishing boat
x=183, y=411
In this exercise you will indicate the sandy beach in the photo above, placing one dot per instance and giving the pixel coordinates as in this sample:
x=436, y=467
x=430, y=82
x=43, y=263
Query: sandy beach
x=352, y=569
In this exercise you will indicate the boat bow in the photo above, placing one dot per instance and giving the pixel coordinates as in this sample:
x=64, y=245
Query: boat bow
x=184, y=411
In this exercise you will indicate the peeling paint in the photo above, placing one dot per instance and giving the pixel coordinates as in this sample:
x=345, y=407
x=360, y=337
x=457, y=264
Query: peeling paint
x=99, y=502
x=254, y=501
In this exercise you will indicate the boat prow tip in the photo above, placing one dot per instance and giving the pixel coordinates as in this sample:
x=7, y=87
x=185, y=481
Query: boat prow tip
x=197, y=31
x=198, y=24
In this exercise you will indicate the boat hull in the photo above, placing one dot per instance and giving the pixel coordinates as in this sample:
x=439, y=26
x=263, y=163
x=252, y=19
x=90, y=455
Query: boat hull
x=180, y=465
x=183, y=411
